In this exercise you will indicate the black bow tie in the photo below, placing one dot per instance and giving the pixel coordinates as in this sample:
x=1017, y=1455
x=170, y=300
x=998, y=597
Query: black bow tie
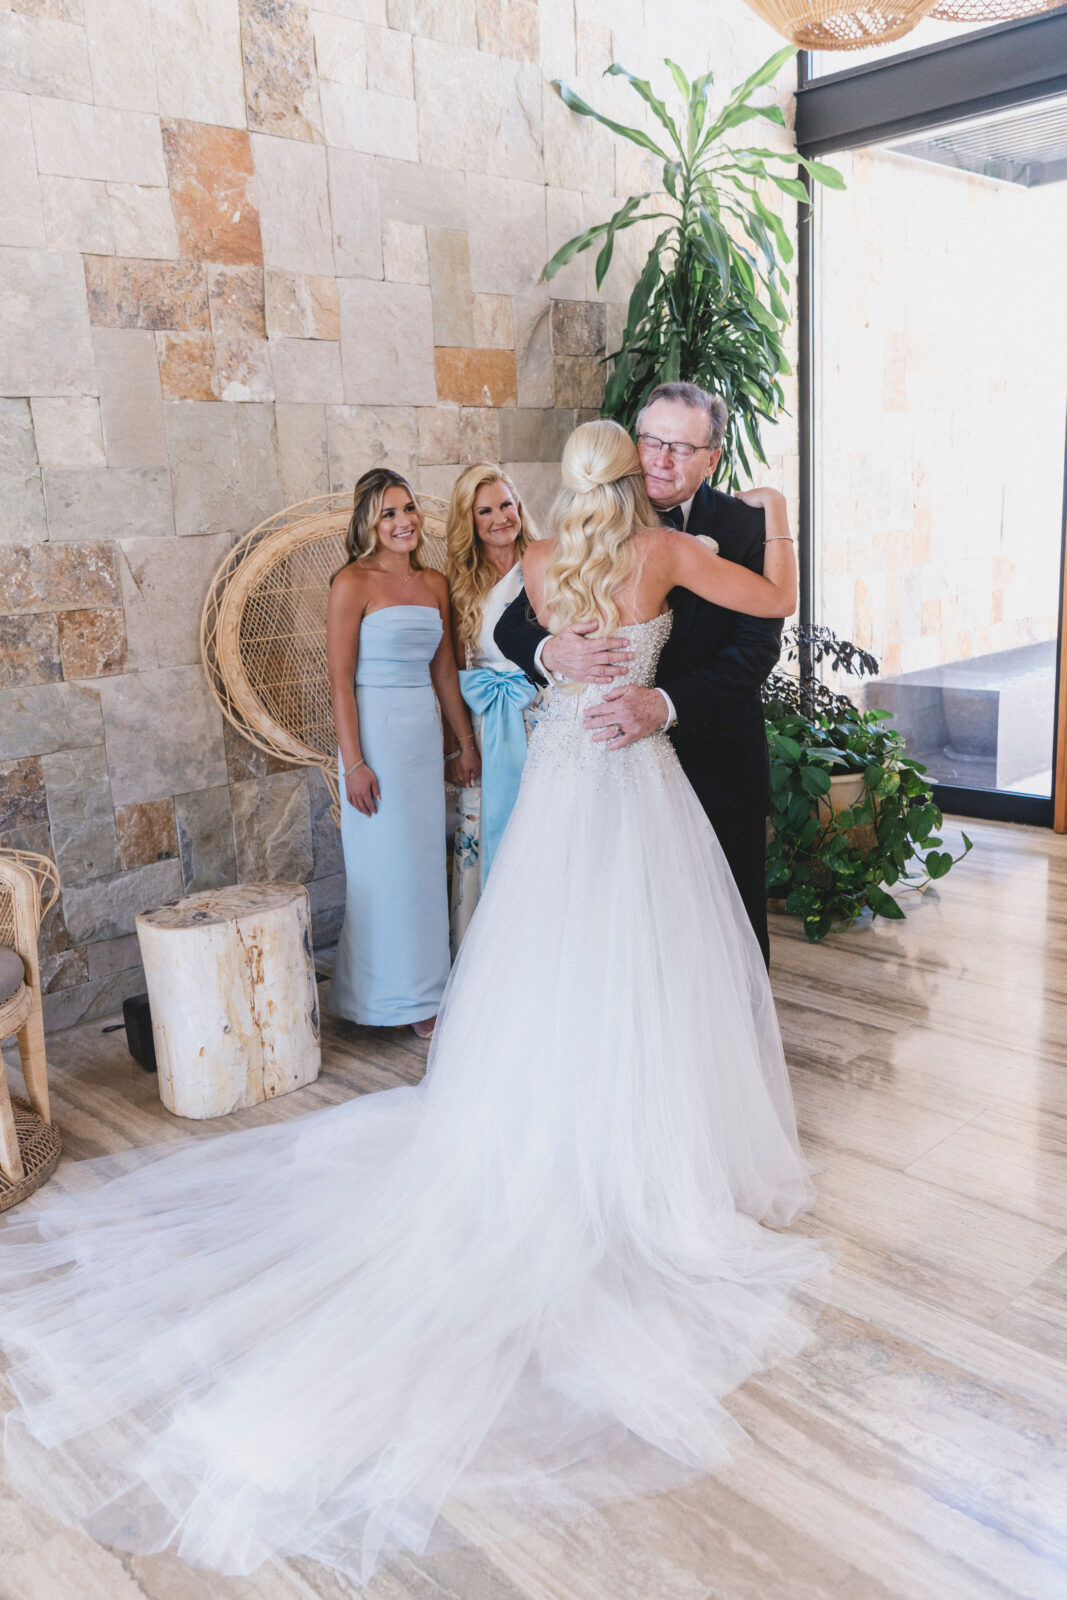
x=675, y=517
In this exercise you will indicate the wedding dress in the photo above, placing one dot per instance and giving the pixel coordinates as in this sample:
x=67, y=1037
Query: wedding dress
x=527, y=1283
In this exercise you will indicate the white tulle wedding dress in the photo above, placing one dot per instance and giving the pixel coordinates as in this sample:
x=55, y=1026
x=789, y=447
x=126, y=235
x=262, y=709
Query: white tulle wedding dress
x=523, y=1286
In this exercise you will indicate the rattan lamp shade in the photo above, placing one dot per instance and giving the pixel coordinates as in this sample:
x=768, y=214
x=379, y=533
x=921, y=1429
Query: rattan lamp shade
x=978, y=11
x=263, y=628
x=839, y=25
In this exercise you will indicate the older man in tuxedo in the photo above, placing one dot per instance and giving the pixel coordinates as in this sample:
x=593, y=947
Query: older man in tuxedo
x=708, y=684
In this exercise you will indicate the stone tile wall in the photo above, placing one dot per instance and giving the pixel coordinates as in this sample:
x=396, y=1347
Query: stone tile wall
x=249, y=248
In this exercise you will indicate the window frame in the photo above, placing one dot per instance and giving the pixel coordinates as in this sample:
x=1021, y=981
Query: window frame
x=991, y=69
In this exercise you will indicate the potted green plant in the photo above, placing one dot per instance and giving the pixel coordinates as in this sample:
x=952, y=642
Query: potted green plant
x=710, y=303
x=827, y=862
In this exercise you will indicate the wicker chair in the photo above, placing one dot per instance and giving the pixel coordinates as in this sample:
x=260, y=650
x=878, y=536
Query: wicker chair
x=263, y=629
x=842, y=24
x=29, y=1144
x=988, y=11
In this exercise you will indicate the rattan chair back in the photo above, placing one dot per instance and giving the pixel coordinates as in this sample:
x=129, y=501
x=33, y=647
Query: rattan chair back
x=842, y=24
x=263, y=628
x=29, y=885
x=977, y=12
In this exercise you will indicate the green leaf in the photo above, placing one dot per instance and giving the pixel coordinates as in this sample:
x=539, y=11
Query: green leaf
x=781, y=743
x=644, y=89
x=764, y=318
x=568, y=251
x=809, y=833
x=937, y=863
x=739, y=114
x=882, y=904
x=824, y=174
x=681, y=82
x=815, y=780
x=718, y=243
x=776, y=225
x=765, y=74
x=635, y=135
x=791, y=186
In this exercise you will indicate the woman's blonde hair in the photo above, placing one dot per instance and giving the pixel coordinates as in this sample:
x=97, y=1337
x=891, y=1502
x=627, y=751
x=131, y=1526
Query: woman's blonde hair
x=602, y=504
x=471, y=574
x=361, y=535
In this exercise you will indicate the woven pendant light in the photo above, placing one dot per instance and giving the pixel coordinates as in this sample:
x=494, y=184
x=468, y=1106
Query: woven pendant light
x=975, y=11
x=843, y=24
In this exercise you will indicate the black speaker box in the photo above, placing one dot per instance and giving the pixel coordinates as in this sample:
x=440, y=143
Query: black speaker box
x=139, y=1041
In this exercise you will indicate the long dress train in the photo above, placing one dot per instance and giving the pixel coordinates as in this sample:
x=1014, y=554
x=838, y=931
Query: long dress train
x=528, y=1282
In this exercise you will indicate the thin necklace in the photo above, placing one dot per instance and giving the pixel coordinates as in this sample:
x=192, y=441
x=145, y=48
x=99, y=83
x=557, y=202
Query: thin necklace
x=385, y=570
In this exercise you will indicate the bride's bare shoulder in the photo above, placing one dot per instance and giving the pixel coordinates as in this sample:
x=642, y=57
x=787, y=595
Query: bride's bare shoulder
x=659, y=543
x=537, y=554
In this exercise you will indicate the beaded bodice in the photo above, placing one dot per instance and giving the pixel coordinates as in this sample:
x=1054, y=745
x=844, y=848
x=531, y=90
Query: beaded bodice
x=560, y=737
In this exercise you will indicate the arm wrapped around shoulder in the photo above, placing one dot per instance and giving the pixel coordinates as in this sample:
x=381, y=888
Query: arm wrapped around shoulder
x=726, y=583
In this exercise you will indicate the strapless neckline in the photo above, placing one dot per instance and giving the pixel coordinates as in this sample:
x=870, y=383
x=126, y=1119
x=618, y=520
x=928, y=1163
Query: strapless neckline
x=411, y=605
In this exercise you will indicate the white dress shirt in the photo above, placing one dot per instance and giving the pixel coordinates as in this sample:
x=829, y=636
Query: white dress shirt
x=558, y=677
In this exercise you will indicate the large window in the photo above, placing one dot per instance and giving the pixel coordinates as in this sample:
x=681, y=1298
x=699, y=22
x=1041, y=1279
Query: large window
x=937, y=401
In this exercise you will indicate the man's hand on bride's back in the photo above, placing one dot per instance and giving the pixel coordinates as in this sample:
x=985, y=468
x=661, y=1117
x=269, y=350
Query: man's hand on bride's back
x=576, y=657
x=627, y=713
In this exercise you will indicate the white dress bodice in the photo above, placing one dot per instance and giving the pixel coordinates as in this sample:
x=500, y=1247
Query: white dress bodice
x=500, y=596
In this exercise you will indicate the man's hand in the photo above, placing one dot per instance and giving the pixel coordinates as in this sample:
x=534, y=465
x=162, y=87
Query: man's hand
x=584, y=660
x=626, y=714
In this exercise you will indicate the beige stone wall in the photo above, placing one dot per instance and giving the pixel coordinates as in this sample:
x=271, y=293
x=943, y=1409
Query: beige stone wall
x=941, y=397
x=249, y=248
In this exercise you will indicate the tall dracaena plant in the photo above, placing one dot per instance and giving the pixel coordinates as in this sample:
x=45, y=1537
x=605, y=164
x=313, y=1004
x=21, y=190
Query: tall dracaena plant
x=710, y=304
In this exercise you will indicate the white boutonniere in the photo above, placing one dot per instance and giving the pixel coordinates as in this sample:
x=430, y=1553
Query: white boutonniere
x=712, y=544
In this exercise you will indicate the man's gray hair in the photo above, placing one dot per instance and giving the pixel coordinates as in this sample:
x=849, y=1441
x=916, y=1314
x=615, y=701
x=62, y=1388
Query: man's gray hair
x=697, y=399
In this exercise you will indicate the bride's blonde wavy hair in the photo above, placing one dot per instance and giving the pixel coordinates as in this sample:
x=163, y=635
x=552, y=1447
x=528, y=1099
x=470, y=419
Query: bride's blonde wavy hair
x=602, y=504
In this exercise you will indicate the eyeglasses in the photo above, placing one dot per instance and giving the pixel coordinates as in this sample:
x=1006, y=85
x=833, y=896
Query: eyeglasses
x=677, y=449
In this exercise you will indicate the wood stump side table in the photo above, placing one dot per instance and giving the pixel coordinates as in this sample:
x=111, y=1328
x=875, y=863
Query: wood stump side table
x=231, y=986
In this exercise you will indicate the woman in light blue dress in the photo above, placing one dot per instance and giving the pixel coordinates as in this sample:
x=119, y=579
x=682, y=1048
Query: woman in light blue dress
x=389, y=649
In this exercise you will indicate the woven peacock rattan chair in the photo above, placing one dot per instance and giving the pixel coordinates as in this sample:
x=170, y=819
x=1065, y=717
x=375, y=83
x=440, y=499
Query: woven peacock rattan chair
x=842, y=24
x=976, y=12
x=29, y=1144
x=263, y=629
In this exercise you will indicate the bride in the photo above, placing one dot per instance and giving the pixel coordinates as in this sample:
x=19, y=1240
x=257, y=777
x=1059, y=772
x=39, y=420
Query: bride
x=528, y=1282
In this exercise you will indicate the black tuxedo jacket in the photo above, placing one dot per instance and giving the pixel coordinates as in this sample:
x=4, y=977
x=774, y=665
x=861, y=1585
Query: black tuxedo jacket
x=712, y=667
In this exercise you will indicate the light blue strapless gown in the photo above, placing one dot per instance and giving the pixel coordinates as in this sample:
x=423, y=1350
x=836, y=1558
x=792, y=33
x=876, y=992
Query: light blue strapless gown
x=392, y=957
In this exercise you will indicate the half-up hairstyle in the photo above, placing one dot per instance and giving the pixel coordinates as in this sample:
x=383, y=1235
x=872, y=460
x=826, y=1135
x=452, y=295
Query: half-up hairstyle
x=471, y=574
x=361, y=536
x=602, y=504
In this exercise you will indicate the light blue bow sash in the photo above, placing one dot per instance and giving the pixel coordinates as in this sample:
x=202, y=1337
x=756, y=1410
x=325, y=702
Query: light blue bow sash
x=499, y=698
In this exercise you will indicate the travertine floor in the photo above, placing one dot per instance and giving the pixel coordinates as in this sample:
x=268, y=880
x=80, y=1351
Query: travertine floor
x=916, y=1450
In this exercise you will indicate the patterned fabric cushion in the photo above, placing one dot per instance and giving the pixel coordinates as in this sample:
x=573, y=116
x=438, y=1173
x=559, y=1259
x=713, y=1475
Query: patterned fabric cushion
x=12, y=974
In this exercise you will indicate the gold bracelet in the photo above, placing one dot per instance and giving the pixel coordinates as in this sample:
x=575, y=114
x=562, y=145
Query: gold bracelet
x=466, y=738
x=354, y=767
x=775, y=536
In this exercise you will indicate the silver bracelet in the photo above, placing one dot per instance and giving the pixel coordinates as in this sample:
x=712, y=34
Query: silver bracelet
x=450, y=755
x=354, y=767
x=774, y=536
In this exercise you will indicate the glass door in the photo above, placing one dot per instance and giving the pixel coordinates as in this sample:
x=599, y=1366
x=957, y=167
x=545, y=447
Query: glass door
x=939, y=408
